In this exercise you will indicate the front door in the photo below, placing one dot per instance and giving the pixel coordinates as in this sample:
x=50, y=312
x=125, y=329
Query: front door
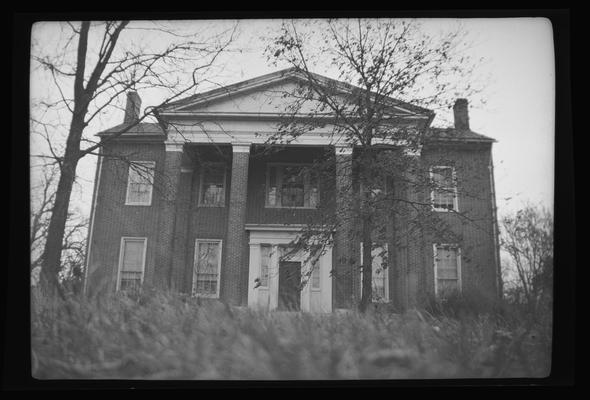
x=289, y=285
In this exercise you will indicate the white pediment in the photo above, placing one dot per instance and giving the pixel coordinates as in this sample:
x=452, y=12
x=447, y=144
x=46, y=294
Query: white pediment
x=271, y=95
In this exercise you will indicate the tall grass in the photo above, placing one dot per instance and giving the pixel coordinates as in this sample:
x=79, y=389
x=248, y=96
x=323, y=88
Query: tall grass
x=164, y=336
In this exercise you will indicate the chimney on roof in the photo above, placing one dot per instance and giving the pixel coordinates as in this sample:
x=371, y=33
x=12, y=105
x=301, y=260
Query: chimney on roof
x=132, y=107
x=461, y=114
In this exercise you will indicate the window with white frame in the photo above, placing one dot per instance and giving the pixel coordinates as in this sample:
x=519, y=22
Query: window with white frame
x=213, y=178
x=447, y=269
x=131, y=263
x=444, y=191
x=140, y=182
x=291, y=185
x=315, y=277
x=380, y=273
x=265, y=257
x=206, y=269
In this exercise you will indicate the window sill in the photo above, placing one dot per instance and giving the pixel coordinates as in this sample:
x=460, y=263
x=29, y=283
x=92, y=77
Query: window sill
x=139, y=204
x=444, y=210
x=211, y=205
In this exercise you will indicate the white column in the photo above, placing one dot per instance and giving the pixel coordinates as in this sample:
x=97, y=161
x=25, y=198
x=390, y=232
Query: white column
x=273, y=278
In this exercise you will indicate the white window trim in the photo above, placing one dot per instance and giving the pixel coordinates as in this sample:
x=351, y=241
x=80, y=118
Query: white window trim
x=315, y=267
x=453, y=246
x=201, y=181
x=386, y=283
x=121, y=250
x=267, y=187
x=135, y=203
x=194, y=281
x=455, y=191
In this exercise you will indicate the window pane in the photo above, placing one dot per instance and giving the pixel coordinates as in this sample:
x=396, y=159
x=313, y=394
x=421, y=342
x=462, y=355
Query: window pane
x=207, y=264
x=213, y=185
x=140, y=182
x=444, y=188
x=315, y=277
x=292, y=187
x=272, y=186
x=379, y=275
x=133, y=256
x=447, y=270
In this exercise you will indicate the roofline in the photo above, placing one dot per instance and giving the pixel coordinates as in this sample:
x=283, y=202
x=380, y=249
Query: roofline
x=272, y=77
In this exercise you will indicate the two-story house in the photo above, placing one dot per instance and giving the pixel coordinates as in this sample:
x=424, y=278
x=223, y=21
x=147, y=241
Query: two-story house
x=193, y=203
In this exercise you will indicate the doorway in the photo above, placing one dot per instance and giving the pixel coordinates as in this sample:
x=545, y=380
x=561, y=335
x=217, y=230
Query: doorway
x=289, y=286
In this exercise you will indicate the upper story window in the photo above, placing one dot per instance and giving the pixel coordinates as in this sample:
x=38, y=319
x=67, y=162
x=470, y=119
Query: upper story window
x=131, y=263
x=140, y=183
x=206, y=269
x=380, y=274
x=447, y=269
x=291, y=185
x=213, y=178
x=444, y=191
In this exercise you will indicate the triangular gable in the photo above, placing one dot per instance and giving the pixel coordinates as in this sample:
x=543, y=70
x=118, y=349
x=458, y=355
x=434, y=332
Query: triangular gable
x=266, y=95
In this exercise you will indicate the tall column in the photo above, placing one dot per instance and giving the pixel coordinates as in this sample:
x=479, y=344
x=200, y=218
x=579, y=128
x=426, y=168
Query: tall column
x=183, y=212
x=345, y=277
x=167, y=188
x=234, y=278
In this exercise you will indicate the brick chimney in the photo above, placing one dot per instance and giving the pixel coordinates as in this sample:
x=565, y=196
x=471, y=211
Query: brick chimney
x=461, y=114
x=132, y=108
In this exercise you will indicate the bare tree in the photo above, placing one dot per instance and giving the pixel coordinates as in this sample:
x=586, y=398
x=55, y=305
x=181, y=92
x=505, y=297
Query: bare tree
x=384, y=60
x=73, y=249
x=97, y=63
x=527, y=237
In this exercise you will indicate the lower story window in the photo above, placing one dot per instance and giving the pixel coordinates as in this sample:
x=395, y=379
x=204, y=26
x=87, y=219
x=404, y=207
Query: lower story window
x=131, y=263
x=380, y=279
x=206, y=269
x=447, y=269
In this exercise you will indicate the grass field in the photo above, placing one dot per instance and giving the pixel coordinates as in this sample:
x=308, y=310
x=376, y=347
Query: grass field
x=163, y=336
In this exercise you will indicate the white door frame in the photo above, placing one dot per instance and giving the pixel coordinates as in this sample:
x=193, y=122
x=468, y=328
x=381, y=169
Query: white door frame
x=267, y=297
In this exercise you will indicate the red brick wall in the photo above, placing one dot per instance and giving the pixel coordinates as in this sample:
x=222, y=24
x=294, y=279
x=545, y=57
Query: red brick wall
x=411, y=268
x=475, y=225
x=114, y=220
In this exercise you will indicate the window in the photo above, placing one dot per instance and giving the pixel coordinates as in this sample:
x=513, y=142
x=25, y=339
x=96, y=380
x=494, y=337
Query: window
x=140, y=182
x=380, y=273
x=206, y=269
x=444, y=192
x=447, y=269
x=131, y=263
x=213, y=179
x=265, y=254
x=290, y=185
x=315, y=277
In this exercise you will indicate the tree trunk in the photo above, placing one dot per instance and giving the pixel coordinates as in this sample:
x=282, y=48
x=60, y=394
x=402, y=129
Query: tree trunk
x=55, y=233
x=367, y=278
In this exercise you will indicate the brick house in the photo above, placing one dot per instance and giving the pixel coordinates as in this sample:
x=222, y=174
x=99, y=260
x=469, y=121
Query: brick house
x=202, y=211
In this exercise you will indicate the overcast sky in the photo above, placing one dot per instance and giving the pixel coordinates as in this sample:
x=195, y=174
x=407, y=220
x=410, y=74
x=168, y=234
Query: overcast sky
x=519, y=109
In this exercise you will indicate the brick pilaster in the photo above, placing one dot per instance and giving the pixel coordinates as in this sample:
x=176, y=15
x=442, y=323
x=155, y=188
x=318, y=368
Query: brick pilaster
x=167, y=188
x=235, y=267
x=345, y=279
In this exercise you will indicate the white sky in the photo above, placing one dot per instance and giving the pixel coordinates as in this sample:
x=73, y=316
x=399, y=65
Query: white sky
x=519, y=110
